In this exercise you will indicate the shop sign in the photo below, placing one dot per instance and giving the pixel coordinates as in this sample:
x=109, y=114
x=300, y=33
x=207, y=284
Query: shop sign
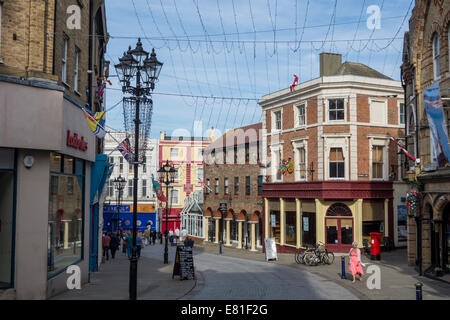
x=75, y=142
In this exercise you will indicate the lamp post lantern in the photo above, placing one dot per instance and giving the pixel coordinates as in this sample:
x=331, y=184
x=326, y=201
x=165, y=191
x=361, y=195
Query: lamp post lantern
x=119, y=184
x=167, y=174
x=135, y=63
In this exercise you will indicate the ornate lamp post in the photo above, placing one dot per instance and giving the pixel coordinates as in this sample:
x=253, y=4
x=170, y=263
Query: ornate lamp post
x=137, y=64
x=119, y=184
x=167, y=174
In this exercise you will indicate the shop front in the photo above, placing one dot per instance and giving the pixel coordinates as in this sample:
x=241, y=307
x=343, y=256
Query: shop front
x=121, y=217
x=299, y=215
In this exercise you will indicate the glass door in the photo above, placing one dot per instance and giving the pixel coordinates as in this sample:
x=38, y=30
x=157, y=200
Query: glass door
x=339, y=234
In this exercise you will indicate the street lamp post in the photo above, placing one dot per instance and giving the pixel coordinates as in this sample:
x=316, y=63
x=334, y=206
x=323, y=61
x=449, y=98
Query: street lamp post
x=167, y=175
x=119, y=184
x=136, y=63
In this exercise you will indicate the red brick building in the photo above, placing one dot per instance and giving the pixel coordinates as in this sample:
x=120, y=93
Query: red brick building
x=335, y=133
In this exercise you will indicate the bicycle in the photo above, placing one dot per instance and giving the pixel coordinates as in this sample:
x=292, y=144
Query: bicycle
x=318, y=255
x=300, y=255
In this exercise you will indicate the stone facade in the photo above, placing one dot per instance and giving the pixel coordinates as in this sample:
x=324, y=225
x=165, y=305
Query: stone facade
x=424, y=63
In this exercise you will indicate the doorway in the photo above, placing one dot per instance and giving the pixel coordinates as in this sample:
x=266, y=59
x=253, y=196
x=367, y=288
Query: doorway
x=308, y=229
x=6, y=227
x=339, y=228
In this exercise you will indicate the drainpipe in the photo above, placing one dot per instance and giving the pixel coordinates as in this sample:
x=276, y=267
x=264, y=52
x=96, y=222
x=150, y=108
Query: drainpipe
x=91, y=40
x=54, y=36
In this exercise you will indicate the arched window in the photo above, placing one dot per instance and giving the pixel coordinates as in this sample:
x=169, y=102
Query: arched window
x=436, y=57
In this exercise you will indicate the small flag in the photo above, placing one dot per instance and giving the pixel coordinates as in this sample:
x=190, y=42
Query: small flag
x=158, y=190
x=204, y=186
x=403, y=148
x=125, y=149
x=96, y=123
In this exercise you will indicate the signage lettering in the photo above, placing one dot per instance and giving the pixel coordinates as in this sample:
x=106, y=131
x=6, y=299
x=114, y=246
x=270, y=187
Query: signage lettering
x=75, y=142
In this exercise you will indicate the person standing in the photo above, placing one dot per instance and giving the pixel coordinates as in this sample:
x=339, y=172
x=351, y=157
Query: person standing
x=139, y=244
x=355, y=262
x=171, y=236
x=147, y=233
x=114, y=245
x=154, y=237
x=106, y=240
x=124, y=242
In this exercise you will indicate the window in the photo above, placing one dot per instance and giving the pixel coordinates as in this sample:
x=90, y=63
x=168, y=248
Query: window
x=200, y=174
x=225, y=185
x=235, y=154
x=208, y=188
x=144, y=188
x=247, y=153
x=130, y=168
x=336, y=109
x=217, y=186
x=224, y=155
x=64, y=59
x=258, y=156
x=402, y=113
x=301, y=163
x=130, y=188
x=277, y=125
x=65, y=217
x=121, y=164
x=336, y=163
x=436, y=58
x=377, y=162
x=174, y=196
x=111, y=188
x=260, y=184
x=236, y=185
x=291, y=228
x=247, y=185
x=144, y=164
x=301, y=115
x=173, y=153
x=75, y=70
x=378, y=111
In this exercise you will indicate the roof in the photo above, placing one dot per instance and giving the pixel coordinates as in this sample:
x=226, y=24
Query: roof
x=238, y=136
x=359, y=69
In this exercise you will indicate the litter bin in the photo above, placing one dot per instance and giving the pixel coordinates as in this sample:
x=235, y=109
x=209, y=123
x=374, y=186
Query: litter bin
x=375, y=239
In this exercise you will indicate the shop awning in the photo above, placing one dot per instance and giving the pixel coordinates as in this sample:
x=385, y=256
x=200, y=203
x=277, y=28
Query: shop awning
x=101, y=170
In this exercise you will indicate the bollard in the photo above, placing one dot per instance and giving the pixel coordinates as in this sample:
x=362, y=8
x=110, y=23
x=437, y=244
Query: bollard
x=220, y=248
x=343, y=276
x=419, y=291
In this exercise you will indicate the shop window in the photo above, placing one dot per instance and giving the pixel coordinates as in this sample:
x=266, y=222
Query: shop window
x=346, y=231
x=68, y=165
x=6, y=232
x=332, y=231
x=65, y=220
x=55, y=162
x=291, y=228
x=275, y=225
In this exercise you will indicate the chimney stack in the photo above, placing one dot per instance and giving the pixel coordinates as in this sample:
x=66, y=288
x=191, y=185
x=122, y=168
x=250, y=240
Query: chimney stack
x=329, y=63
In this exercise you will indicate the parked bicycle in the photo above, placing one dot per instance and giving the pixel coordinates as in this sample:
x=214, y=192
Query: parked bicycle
x=314, y=256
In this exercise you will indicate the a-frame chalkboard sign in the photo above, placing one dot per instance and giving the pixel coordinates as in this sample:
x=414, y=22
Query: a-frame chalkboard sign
x=184, y=263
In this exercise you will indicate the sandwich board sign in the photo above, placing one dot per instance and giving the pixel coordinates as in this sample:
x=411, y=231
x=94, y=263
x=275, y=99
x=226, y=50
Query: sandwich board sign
x=184, y=263
x=271, y=249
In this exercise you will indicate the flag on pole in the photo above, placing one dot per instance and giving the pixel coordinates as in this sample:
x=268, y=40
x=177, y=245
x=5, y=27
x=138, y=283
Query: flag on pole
x=96, y=123
x=403, y=148
x=125, y=149
x=158, y=190
x=204, y=186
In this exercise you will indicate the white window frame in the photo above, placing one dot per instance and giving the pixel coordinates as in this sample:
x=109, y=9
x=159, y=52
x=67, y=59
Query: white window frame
x=301, y=143
x=297, y=114
x=172, y=151
x=383, y=142
x=172, y=193
x=327, y=109
x=385, y=110
x=399, y=113
x=436, y=57
x=276, y=153
x=64, y=59
x=274, y=120
x=76, y=69
x=336, y=141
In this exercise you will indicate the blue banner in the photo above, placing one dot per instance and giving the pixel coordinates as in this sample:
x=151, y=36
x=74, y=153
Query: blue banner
x=435, y=113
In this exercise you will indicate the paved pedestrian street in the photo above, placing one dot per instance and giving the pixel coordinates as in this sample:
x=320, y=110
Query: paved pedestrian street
x=242, y=275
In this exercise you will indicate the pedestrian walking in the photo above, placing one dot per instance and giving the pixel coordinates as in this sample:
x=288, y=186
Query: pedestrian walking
x=355, y=262
x=139, y=244
x=147, y=233
x=124, y=242
x=114, y=245
x=106, y=239
x=171, y=237
x=154, y=237
x=129, y=244
x=177, y=235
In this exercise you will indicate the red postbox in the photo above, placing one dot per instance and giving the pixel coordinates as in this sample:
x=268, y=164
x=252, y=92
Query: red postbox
x=375, y=239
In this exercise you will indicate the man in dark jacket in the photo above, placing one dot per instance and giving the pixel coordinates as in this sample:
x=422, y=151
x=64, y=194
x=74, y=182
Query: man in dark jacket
x=114, y=245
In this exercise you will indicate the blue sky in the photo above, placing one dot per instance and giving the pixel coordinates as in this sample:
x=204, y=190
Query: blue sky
x=221, y=56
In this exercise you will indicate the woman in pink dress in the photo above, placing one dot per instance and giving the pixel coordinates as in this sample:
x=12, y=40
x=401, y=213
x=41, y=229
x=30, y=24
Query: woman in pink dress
x=355, y=262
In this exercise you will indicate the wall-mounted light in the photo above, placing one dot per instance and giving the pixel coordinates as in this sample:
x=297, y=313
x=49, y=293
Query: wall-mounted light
x=28, y=161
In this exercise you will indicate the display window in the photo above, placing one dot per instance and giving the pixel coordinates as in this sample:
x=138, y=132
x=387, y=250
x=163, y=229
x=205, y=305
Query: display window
x=291, y=228
x=66, y=214
x=275, y=225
